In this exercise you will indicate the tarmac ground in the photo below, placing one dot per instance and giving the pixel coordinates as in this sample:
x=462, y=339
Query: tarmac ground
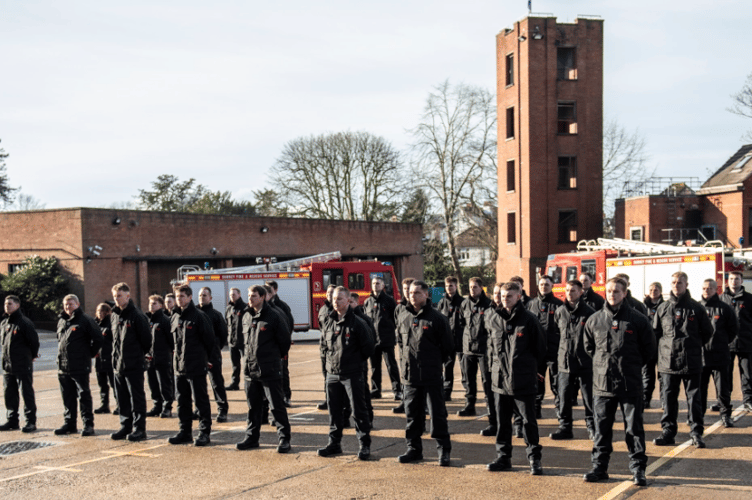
x=42, y=465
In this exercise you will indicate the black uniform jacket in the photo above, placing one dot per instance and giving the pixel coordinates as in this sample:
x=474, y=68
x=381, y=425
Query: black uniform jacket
x=346, y=343
x=451, y=307
x=103, y=362
x=219, y=325
x=267, y=341
x=324, y=312
x=593, y=299
x=544, y=307
x=619, y=341
x=234, y=319
x=20, y=343
x=425, y=343
x=194, y=341
x=381, y=310
x=652, y=307
x=79, y=339
x=636, y=304
x=474, y=335
x=715, y=353
x=741, y=302
x=573, y=358
x=162, y=340
x=282, y=306
x=516, y=349
x=682, y=327
x=131, y=339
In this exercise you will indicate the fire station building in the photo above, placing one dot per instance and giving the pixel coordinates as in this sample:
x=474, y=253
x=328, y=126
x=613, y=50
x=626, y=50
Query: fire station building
x=100, y=247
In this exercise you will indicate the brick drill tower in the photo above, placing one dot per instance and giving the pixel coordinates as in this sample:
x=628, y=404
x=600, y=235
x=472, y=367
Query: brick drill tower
x=550, y=109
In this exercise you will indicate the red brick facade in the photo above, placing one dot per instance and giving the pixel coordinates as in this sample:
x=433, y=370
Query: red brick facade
x=145, y=248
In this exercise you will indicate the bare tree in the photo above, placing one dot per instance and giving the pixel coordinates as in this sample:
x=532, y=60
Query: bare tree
x=346, y=175
x=624, y=158
x=27, y=202
x=742, y=105
x=455, y=153
x=7, y=193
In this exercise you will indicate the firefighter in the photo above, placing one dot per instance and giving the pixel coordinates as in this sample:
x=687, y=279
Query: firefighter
x=282, y=306
x=400, y=408
x=103, y=360
x=475, y=354
x=741, y=348
x=681, y=327
x=524, y=297
x=544, y=307
x=233, y=315
x=450, y=306
x=715, y=354
x=324, y=311
x=633, y=302
x=346, y=344
x=159, y=362
x=425, y=342
x=517, y=351
x=267, y=341
x=219, y=325
x=620, y=341
x=359, y=312
x=653, y=299
x=590, y=296
x=380, y=308
x=574, y=362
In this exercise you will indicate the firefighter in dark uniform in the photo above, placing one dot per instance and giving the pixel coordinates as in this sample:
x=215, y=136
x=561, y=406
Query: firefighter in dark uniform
x=651, y=301
x=524, y=297
x=741, y=348
x=267, y=341
x=194, y=341
x=323, y=316
x=620, y=341
x=544, y=307
x=159, y=361
x=347, y=343
x=359, y=312
x=475, y=354
x=233, y=316
x=20, y=347
x=681, y=327
x=633, y=302
x=220, y=334
x=425, y=342
x=103, y=360
x=380, y=308
x=403, y=303
x=171, y=305
x=715, y=354
x=131, y=341
x=517, y=350
x=79, y=340
x=450, y=306
x=574, y=361
x=282, y=306
x=592, y=298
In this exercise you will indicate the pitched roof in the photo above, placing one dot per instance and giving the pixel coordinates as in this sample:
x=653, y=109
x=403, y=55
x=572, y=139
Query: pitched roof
x=736, y=170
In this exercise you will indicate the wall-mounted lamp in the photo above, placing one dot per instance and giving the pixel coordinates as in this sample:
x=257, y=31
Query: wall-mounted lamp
x=88, y=260
x=522, y=38
x=116, y=221
x=213, y=251
x=537, y=35
x=264, y=229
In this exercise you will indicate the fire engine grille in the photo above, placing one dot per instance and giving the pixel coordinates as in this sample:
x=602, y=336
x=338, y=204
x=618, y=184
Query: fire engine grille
x=14, y=447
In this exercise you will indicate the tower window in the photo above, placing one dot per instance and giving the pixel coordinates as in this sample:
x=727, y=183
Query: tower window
x=511, y=228
x=566, y=63
x=567, y=226
x=567, y=117
x=510, y=175
x=510, y=123
x=567, y=172
x=510, y=69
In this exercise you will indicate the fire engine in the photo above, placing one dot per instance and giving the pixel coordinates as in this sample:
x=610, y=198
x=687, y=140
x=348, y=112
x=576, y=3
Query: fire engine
x=302, y=282
x=644, y=263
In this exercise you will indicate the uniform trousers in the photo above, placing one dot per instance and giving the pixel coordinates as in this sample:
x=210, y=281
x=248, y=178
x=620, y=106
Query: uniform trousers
x=568, y=393
x=508, y=407
x=75, y=386
x=745, y=374
x=387, y=354
x=471, y=364
x=14, y=383
x=722, y=378
x=236, y=355
x=161, y=385
x=255, y=391
x=351, y=387
x=416, y=398
x=670, y=385
x=129, y=392
x=187, y=385
x=604, y=411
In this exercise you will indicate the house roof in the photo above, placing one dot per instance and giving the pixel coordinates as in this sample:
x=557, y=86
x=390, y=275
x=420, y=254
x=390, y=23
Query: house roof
x=736, y=170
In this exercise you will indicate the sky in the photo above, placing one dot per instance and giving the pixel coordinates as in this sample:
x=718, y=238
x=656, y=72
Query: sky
x=98, y=98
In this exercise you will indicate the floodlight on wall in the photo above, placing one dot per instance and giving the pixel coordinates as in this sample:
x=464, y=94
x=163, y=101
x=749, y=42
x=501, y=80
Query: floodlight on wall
x=522, y=38
x=116, y=221
x=213, y=251
x=537, y=35
x=264, y=229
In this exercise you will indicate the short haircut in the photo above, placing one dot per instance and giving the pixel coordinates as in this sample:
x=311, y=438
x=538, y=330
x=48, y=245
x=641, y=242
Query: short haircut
x=156, y=298
x=545, y=277
x=588, y=274
x=576, y=283
x=13, y=298
x=379, y=278
x=420, y=284
x=618, y=281
x=680, y=275
x=477, y=280
x=623, y=276
x=452, y=279
x=512, y=286
x=170, y=296
x=500, y=284
x=187, y=290
x=121, y=287
x=272, y=284
x=711, y=280
x=260, y=290
x=332, y=287
x=207, y=289
x=736, y=273
x=354, y=295
x=233, y=289
x=340, y=289
x=72, y=297
x=269, y=289
x=407, y=281
x=656, y=284
x=517, y=279
x=104, y=307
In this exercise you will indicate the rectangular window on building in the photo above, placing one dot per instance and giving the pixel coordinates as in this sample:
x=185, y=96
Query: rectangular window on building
x=566, y=63
x=510, y=69
x=510, y=123
x=635, y=233
x=510, y=175
x=567, y=172
x=567, y=226
x=567, y=117
x=512, y=227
